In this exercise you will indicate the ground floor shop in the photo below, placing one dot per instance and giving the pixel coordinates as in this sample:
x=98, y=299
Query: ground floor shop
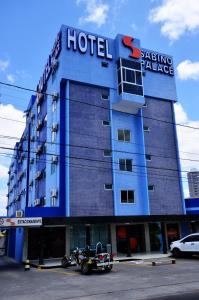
x=59, y=236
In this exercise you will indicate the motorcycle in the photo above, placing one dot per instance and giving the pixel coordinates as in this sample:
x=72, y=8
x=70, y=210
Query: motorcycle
x=89, y=259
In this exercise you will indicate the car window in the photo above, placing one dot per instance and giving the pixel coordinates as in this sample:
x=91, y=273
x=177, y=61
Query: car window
x=191, y=239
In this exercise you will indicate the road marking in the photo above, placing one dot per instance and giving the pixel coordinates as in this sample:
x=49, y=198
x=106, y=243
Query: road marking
x=54, y=271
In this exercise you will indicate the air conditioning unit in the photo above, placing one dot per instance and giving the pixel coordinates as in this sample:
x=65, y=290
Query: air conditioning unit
x=54, y=193
x=54, y=127
x=54, y=159
x=39, y=149
x=39, y=97
x=37, y=202
x=17, y=198
x=39, y=125
x=32, y=115
x=54, y=65
x=32, y=161
x=38, y=174
x=32, y=139
x=55, y=96
x=19, y=213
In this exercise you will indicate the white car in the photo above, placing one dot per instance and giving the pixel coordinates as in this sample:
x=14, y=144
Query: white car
x=188, y=245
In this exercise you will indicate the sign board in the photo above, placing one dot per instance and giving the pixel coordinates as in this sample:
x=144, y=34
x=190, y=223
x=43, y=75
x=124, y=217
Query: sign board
x=20, y=222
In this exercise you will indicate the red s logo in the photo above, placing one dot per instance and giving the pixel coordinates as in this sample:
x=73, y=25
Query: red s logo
x=128, y=42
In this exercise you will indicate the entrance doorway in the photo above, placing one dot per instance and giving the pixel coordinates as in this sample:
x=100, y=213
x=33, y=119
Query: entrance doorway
x=130, y=239
x=173, y=232
x=53, y=242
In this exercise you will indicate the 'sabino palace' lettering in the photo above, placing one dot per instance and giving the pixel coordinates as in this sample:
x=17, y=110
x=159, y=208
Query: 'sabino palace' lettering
x=156, y=62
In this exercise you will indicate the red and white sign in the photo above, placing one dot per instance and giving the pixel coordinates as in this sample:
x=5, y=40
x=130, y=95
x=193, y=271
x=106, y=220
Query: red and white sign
x=20, y=222
x=128, y=42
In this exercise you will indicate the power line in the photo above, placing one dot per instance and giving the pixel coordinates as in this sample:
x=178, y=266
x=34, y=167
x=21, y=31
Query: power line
x=94, y=105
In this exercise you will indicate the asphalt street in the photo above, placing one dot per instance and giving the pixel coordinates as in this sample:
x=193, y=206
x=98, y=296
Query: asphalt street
x=128, y=280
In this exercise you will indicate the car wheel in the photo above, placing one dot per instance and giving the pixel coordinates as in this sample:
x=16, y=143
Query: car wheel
x=176, y=253
x=85, y=268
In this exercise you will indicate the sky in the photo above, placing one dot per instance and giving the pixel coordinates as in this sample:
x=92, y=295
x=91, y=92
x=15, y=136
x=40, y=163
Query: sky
x=28, y=30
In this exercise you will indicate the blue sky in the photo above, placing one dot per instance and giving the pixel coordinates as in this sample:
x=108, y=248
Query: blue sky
x=28, y=30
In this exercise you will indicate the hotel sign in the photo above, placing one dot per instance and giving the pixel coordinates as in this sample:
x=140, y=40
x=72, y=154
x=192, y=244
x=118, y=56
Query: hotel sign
x=87, y=43
x=20, y=222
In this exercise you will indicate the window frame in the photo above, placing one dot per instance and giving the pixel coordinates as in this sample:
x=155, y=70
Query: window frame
x=124, y=140
x=148, y=159
x=125, y=164
x=107, y=189
x=134, y=198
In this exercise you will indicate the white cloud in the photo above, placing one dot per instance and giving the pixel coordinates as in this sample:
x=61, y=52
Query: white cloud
x=3, y=203
x=10, y=78
x=188, y=140
x=95, y=12
x=4, y=64
x=176, y=17
x=10, y=129
x=188, y=70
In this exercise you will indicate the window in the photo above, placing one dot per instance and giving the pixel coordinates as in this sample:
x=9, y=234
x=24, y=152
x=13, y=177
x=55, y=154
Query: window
x=148, y=157
x=108, y=186
x=146, y=129
x=104, y=64
x=151, y=188
x=53, y=167
x=53, y=201
x=107, y=153
x=127, y=196
x=106, y=123
x=38, y=109
x=129, y=77
x=53, y=136
x=54, y=106
x=125, y=165
x=124, y=135
x=105, y=97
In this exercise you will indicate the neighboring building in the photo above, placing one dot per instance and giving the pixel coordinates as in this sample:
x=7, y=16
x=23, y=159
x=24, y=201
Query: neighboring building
x=98, y=159
x=193, y=181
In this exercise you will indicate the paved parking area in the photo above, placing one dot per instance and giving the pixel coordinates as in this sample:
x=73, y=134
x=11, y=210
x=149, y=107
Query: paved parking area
x=128, y=280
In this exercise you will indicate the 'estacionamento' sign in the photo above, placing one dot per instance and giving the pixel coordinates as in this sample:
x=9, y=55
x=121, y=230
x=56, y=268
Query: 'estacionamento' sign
x=18, y=222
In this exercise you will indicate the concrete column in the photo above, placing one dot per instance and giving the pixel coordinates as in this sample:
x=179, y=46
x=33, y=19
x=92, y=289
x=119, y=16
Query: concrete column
x=164, y=239
x=25, y=245
x=113, y=238
x=67, y=245
x=147, y=237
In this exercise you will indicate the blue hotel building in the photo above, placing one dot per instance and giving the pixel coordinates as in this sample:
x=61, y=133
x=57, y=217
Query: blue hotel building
x=98, y=159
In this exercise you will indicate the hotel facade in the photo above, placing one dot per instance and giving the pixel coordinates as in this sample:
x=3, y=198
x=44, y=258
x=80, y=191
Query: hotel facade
x=98, y=159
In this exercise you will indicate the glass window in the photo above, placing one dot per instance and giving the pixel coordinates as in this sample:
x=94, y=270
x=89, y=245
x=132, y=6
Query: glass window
x=124, y=135
x=151, y=187
x=106, y=123
x=148, y=157
x=130, y=76
x=125, y=165
x=108, y=187
x=53, y=136
x=54, y=106
x=38, y=109
x=138, y=78
x=105, y=97
x=146, y=128
x=53, y=167
x=107, y=152
x=127, y=196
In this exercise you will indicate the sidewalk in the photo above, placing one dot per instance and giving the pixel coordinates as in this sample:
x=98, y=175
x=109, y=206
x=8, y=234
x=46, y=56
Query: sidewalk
x=56, y=262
